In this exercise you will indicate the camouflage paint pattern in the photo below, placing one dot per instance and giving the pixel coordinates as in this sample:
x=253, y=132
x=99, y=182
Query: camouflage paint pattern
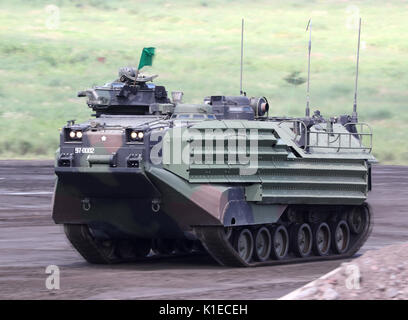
x=115, y=185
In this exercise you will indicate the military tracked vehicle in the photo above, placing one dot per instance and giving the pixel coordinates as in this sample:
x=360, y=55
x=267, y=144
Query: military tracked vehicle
x=147, y=173
x=151, y=176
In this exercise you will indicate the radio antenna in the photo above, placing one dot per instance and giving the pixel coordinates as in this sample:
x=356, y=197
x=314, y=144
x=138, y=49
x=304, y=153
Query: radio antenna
x=354, y=114
x=242, y=57
x=309, y=27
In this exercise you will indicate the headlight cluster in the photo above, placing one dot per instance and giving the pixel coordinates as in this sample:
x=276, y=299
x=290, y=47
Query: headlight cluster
x=73, y=135
x=134, y=135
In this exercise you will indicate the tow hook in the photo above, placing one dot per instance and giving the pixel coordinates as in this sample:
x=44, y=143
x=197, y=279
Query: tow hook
x=86, y=204
x=156, y=205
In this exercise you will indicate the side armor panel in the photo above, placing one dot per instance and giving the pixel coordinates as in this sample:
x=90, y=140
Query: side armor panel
x=254, y=155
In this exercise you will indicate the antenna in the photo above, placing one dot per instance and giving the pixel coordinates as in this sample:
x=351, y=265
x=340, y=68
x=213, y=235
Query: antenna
x=354, y=114
x=242, y=57
x=309, y=27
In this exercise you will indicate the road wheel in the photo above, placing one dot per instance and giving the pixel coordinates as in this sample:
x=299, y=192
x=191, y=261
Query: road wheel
x=357, y=219
x=107, y=249
x=263, y=244
x=244, y=244
x=91, y=249
x=280, y=242
x=341, y=236
x=321, y=239
x=302, y=239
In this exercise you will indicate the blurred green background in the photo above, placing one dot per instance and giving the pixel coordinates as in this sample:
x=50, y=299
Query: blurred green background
x=51, y=50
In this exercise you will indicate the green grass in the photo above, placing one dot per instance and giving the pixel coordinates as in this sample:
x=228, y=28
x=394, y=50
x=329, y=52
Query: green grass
x=198, y=52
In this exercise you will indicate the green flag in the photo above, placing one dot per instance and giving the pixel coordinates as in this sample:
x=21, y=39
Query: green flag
x=146, y=59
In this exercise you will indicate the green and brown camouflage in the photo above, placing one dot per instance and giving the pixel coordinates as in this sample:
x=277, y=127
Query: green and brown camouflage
x=147, y=167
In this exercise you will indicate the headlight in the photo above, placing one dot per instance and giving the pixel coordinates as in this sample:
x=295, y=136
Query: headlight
x=134, y=135
x=73, y=135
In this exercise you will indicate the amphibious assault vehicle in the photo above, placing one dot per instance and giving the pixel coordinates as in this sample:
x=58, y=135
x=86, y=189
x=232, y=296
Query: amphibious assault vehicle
x=149, y=172
x=151, y=176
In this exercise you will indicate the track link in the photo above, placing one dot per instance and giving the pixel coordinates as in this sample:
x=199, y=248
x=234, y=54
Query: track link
x=94, y=252
x=215, y=241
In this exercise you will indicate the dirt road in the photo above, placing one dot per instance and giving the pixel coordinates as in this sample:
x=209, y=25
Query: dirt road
x=29, y=242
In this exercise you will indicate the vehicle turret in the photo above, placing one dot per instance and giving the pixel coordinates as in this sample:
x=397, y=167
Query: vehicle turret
x=130, y=94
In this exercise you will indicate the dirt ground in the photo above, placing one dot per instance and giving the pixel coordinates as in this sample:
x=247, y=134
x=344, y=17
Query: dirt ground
x=377, y=274
x=29, y=242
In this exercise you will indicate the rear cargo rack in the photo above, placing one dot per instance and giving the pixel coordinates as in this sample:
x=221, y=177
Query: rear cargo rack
x=305, y=138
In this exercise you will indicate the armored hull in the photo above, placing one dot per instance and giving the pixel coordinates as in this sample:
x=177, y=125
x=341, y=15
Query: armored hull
x=249, y=188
